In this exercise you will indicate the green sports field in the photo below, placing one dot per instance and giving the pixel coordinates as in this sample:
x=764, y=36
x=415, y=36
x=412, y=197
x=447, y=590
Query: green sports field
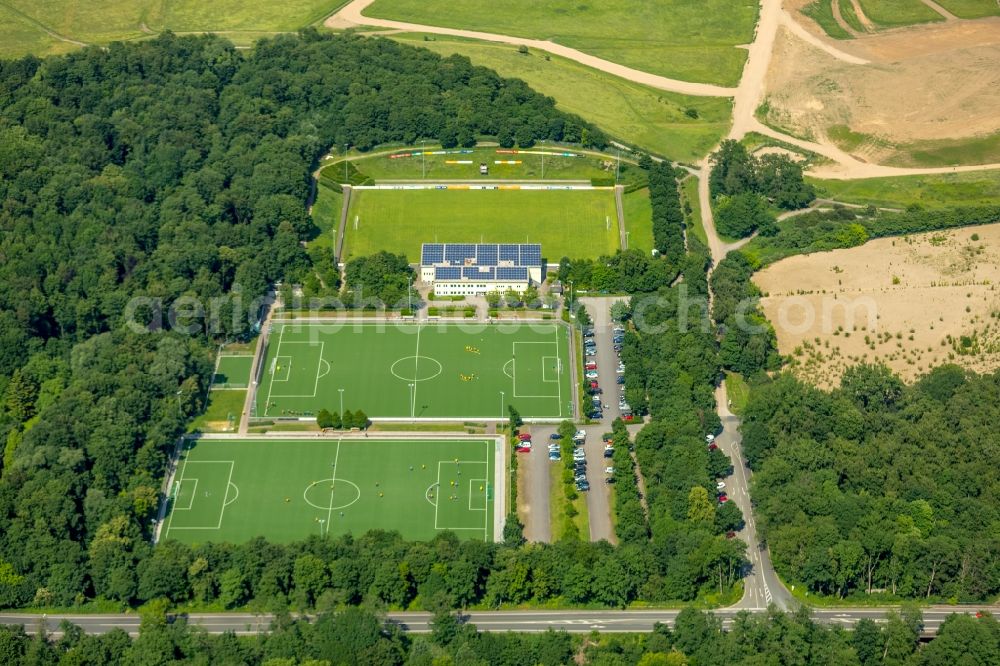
x=233, y=371
x=284, y=490
x=570, y=223
x=416, y=371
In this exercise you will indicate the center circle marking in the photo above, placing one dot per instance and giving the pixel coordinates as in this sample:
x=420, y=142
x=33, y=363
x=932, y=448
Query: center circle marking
x=325, y=483
x=416, y=361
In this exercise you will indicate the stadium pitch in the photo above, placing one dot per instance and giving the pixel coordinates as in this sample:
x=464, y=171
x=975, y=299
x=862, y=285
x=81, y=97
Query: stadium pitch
x=579, y=223
x=285, y=490
x=416, y=371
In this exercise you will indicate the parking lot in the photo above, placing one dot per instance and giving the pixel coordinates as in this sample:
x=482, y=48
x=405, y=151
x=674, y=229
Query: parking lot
x=600, y=358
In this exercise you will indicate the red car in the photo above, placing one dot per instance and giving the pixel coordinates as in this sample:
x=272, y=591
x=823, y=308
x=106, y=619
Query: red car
x=723, y=498
x=524, y=437
x=730, y=534
x=628, y=417
x=524, y=447
x=593, y=384
x=713, y=447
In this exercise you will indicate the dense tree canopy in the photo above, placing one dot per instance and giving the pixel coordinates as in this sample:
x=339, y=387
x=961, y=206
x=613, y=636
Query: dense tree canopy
x=776, y=177
x=879, y=486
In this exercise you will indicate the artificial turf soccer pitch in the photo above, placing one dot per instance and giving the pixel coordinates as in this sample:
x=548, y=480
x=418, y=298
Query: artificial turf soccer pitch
x=408, y=371
x=567, y=223
x=233, y=490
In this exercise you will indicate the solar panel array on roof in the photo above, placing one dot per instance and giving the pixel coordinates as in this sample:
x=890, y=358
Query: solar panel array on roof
x=432, y=253
x=531, y=255
x=477, y=273
x=486, y=255
x=512, y=273
x=459, y=252
x=448, y=273
x=509, y=253
x=482, y=254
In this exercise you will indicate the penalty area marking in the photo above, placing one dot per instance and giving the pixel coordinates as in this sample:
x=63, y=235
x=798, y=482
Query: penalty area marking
x=427, y=495
x=459, y=463
x=482, y=484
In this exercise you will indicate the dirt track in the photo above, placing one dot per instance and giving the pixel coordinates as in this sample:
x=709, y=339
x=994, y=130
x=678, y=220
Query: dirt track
x=746, y=97
x=351, y=16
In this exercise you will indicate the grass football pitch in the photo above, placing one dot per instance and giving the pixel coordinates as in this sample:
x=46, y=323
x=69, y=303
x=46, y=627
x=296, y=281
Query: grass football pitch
x=567, y=223
x=416, y=371
x=285, y=490
x=233, y=370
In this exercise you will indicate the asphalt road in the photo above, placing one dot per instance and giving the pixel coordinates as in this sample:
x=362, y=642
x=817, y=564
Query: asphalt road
x=534, y=467
x=599, y=495
x=761, y=585
x=532, y=621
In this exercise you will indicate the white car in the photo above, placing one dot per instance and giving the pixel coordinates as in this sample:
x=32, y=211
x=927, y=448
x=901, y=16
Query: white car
x=609, y=470
x=721, y=485
x=591, y=374
x=709, y=438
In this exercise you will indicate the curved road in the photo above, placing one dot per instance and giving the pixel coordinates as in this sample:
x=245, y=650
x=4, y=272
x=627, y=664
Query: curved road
x=350, y=16
x=747, y=96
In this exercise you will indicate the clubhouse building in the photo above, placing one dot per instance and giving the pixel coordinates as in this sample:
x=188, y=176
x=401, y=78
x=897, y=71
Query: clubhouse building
x=470, y=269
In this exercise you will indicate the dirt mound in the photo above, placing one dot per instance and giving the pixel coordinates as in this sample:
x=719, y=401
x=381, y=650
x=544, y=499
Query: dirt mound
x=913, y=302
x=945, y=87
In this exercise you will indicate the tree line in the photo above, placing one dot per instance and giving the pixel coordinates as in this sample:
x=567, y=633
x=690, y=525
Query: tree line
x=879, y=488
x=671, y=367
x=668, y=217
x=361, y=637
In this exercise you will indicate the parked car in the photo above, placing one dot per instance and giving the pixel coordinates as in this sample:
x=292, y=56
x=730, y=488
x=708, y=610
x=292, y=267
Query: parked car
x=524, y=437
x=591, y=365
x=583, y=486
x=721, y=485
x=609, y=479
x=591, y=374
x=555, y=435
x=723, y=498
x=580, y=434
x=620, y=380
x=709, y=438
x=554, y=456
x=524, y=447
x=609, y=452
x=595, y=416
x=713, y=447
x=730, y=534
x=609, y=470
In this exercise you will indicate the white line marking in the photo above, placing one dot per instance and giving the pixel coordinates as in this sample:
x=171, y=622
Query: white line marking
x=270, y=384
x=193, y=493
x=229, y=482
x=333, y=484
x=416, y=368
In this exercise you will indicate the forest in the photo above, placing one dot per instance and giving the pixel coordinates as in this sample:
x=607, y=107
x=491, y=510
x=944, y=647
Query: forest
x=880, y=488
x=357, y=636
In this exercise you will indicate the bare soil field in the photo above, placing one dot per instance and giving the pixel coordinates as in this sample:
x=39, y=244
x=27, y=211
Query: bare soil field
x=912, y=302
x=927, y=90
